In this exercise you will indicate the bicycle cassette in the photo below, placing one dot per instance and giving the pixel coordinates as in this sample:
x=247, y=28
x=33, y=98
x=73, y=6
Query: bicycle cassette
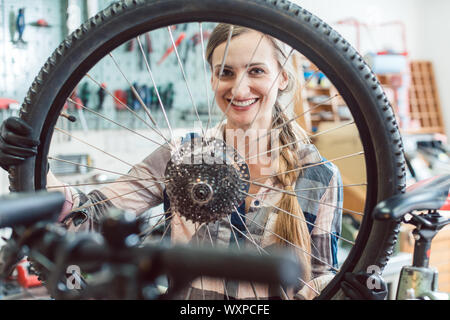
x=205, y=180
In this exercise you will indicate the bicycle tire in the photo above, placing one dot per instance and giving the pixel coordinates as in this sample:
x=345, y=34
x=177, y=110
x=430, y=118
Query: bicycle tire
x=288, y=22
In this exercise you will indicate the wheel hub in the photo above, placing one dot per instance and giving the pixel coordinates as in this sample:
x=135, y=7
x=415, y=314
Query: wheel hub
x=205, y=180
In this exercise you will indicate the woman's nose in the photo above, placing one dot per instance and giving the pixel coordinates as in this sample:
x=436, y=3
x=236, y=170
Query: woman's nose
x=241, y=87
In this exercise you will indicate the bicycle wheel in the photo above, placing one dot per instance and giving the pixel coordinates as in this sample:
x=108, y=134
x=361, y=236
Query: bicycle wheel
x=113, y=28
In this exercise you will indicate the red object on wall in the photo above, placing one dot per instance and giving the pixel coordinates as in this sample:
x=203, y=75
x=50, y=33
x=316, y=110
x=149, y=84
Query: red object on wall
x=172, y=48
x=25, y=279
x=122, y=96
x=5, y=102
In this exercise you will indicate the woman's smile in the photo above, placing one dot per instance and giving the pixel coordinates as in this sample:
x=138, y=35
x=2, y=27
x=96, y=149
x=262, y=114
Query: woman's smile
x=243, y=105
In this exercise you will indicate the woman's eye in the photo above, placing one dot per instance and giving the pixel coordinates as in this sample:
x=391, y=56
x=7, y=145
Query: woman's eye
x=225, y=73
x=257, y=71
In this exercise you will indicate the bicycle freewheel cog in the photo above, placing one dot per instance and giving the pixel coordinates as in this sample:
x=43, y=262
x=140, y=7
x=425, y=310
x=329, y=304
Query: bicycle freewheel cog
x=205, y=180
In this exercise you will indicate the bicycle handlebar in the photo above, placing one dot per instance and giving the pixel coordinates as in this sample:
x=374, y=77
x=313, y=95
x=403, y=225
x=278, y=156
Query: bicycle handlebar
x=428, y=195
x=48, y=241
x=191, y=262
x=30, y=207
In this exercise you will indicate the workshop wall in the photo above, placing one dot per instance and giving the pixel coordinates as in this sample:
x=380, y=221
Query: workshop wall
x=20, y=62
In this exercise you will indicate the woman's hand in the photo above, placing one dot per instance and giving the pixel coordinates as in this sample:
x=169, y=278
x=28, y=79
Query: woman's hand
x=16, y=143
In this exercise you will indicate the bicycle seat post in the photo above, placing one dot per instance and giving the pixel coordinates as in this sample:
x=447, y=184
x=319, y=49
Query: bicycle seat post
x=419, y=280
x=427, y=229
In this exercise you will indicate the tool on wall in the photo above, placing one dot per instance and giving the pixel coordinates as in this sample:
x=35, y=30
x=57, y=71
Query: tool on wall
x=85, y=94
x=171, y=48
x=131, y=44
x=41, y=23
x=167, y=94
x=76, y=105
x=146, y=95
x=192, y=43
x=148, y=47
x=101, y=96
x=20, y=27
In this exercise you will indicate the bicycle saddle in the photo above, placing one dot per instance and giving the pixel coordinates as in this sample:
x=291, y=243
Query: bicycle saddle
x=430, y=194
x=29, y=207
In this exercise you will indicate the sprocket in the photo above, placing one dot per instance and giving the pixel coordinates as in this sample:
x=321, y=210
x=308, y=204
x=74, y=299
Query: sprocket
x=206, y=180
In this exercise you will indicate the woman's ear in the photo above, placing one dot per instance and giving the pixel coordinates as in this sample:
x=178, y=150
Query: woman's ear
x=284, y=81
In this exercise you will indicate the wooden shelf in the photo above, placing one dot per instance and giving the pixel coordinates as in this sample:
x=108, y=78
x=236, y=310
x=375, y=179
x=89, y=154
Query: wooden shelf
x=425, y=107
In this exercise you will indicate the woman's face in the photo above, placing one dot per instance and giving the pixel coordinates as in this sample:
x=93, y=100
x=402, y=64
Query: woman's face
x=259, y=86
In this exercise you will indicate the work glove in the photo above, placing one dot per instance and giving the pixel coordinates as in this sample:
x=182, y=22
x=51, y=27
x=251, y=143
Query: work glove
x=16, y=143
x=364, y=286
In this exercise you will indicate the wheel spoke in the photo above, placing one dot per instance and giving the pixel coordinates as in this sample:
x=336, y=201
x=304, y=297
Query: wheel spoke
x=273, y=83
x=194, y=106
x=223, y=280
x=108, y=199
x=125, y=106
x=138, y=97
x=160, y=221
x=293, y=98
x=222, y=66
x=262, y=249
x=100, y=169
x=196, y=226
x=205, y=73
x=320, y=188
x=239, y=248
x=98, y=183
x=118, y=124
x=103, y=151
x=300, y=140
x=295, y=246
x=290, y=243
x=289, y=121
x=310, y=166
x=332, y=129
x=292, y=215
x=147, y=64
x=164, y=233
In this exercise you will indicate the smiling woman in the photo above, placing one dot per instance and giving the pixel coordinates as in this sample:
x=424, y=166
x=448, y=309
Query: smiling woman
x=249, y=74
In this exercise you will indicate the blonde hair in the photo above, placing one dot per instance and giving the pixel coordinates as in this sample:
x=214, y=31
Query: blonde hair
x=291, y=227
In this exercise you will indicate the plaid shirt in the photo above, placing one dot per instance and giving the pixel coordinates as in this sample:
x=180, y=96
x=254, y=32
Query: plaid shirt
x=319, y=193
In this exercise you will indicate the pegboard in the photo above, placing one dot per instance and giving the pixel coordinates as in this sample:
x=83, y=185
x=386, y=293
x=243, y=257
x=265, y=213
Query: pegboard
x=132, y=65
x=19, y=65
